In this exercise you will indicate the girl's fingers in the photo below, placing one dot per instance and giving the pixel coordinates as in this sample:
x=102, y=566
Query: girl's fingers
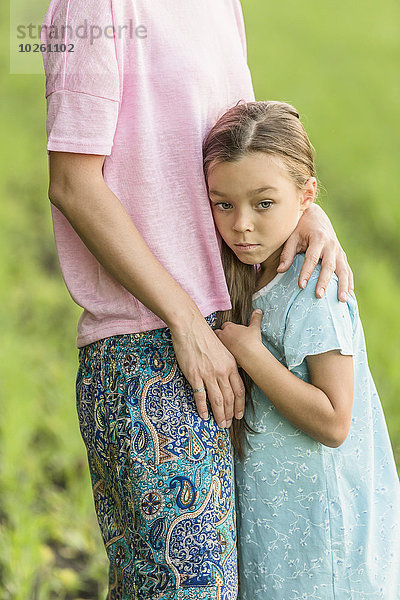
x=256, y=318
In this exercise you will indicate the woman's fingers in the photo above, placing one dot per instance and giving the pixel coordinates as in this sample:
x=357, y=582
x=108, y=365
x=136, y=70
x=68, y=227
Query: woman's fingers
x=345, y=275
x=239, y=394
x=328, y=266
x=290, y=249
x=226, y=395
x=216, y=399
x=351, y=284
x=314, y=233
x=220, y=396
x=226, y=399
x=229, y=400
x=200, y=396
x=333, y=260
x=343, y=272
x=217, y=402
x=312, y=256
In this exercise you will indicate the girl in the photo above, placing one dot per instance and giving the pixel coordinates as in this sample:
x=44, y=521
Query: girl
x=318, y=492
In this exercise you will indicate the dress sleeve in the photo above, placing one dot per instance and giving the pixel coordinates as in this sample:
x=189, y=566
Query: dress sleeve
x=318, y=325
x=82, y=77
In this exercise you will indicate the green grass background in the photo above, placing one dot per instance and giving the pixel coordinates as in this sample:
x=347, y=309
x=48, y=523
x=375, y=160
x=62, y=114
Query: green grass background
x=338, y=64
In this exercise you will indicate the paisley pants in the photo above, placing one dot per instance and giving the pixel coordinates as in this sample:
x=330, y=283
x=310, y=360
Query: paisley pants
x=162, y=477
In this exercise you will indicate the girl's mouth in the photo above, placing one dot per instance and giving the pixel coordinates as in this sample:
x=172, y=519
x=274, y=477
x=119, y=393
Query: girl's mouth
x=246, y=246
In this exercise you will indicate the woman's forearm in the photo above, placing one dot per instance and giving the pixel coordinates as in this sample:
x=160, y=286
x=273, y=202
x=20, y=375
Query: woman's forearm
x=304, y=405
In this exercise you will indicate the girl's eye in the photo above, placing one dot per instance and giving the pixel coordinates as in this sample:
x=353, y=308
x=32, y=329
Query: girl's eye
x=265, y=203
x=223, y=205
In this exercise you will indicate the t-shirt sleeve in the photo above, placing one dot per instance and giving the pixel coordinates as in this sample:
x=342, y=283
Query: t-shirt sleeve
x=317, y=325
x=241, y=26
x=82, y=77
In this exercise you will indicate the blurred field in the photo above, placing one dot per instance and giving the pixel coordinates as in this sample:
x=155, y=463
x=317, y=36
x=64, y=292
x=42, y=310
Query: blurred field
x=338, y=64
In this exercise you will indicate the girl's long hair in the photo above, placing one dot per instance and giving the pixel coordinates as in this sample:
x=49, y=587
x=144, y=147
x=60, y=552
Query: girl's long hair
x=275, y=129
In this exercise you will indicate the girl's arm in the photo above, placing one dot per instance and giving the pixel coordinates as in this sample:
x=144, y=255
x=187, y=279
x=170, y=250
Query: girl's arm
x=322, y=408
x=78, y=190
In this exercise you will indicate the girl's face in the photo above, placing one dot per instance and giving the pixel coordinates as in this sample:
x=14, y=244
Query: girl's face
x=256, y=206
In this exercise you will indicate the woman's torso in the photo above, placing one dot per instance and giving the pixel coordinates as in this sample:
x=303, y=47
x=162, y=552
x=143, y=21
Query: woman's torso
x=172, y=84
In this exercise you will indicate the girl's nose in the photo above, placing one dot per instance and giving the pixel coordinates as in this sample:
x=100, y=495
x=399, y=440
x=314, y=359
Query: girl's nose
x=243, y=223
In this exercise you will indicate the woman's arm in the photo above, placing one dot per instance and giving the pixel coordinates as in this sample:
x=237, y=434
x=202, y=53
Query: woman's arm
x=322, y=408
x=78, y=190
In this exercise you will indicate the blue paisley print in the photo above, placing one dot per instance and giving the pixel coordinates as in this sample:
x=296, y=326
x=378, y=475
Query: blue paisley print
x=162, y=477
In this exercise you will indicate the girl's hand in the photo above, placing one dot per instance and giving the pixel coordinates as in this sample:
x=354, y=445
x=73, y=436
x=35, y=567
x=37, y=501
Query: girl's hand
x=241, y=341
x=315, y=236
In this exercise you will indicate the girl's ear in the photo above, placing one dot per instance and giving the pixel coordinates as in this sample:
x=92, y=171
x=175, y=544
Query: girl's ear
x=309, y=193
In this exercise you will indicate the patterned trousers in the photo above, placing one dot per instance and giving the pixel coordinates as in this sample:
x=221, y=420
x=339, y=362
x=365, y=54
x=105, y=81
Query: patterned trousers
x=162, y=477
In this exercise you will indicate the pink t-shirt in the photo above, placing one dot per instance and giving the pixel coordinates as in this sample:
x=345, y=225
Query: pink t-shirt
x=144, y=83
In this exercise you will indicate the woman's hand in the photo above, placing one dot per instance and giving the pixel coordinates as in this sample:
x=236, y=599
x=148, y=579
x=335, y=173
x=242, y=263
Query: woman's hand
x=241, y=341
x=210, y=369
x=315, y=236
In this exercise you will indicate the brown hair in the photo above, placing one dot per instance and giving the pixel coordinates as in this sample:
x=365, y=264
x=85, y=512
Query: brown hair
x=273, y=128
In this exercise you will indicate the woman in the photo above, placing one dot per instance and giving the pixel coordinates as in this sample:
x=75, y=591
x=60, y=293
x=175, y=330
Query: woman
x=126, y=117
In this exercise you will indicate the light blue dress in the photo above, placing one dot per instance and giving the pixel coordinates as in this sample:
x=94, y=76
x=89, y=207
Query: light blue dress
x=316, y=522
